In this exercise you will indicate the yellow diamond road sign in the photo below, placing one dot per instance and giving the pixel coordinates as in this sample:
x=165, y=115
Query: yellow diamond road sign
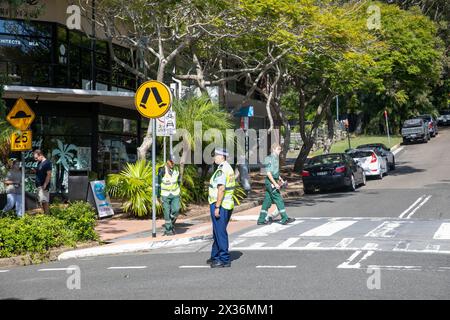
x=21, y=141
x=21, y=115
x=153, y=99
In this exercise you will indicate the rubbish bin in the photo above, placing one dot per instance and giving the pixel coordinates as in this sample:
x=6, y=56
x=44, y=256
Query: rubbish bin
x=78, y=184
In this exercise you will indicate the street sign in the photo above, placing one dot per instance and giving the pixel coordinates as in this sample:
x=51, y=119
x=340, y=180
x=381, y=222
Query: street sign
x=21, y=116
x=166, y=125
x=98, y=195
x=153, y=99
x=21, y=141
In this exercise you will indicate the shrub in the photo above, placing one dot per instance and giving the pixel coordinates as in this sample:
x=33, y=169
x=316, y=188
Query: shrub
x=79, y=218
x=37, y=234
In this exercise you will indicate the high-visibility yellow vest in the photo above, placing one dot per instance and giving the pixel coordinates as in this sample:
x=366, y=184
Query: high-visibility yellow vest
x=169, y=183
x=230, y=183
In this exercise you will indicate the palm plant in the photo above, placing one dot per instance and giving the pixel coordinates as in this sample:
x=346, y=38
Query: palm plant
x=200, y=109
x=65, y=157
x=134, y=185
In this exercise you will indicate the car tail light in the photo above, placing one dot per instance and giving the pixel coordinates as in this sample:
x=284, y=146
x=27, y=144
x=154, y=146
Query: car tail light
x=374, y=158
x=430, y=126
x=305, y=173
x=340, y=169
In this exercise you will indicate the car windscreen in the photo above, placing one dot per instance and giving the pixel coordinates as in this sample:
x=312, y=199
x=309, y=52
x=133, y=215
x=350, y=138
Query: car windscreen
x=412, y=123
x=326, y=159
x=360, y=154
x=425, y=117
x=444, y=113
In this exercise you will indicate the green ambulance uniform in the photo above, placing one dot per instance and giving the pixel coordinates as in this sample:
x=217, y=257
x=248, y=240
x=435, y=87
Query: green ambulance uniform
x=272, y=195
x=169, y=191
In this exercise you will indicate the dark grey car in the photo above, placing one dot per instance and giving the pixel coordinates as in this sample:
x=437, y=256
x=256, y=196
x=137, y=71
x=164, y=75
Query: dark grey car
x=432, y=124
x=383, y=151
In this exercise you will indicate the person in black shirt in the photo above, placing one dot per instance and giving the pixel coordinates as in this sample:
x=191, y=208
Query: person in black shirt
x=43, y=178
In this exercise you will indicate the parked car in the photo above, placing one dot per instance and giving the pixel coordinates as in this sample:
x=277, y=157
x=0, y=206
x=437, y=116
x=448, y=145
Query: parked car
x=371, y=160
x=432, y=124
x=415, y=129
x=444, y=118
x=332, y=171
x=384, y=151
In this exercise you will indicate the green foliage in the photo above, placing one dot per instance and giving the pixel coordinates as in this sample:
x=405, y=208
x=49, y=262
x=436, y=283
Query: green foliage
x=65, y=226
x=79, y=218
x=134, y=185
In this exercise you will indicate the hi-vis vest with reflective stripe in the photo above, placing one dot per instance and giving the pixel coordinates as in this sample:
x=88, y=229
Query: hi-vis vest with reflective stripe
x=227, y=170
x=169, y=183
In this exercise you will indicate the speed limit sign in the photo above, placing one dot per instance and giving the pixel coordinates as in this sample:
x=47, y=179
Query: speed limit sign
x=21, y=141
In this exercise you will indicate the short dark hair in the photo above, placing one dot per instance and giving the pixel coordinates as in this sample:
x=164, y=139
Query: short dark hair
x=38, y=152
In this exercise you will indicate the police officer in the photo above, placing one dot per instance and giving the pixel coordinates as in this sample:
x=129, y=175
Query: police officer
x=273, y=184
x=169, y=191
x=221, y=204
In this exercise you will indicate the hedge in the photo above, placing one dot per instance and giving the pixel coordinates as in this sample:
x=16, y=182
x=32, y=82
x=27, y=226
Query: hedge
x=64, y=226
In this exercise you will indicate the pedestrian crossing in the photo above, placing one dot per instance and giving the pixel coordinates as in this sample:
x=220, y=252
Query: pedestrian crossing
x=377, y=234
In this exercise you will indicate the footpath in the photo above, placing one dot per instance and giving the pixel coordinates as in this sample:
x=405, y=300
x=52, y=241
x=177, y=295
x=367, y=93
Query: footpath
x=127, y=235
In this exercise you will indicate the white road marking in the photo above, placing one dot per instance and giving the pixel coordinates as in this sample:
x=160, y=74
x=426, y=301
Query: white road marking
x=345, y=242
x=328, y=229
x=257, y=245
x=193, y=267
x=433, y=247
x=245, y=218
x=370, y=246
x=419, y=206
x=266, y=230
x=402, y=246
x=236, y=242
x=443, y=233
x=276, y=267
x=130, y=267
x=313, y=245
x=385, y=230
x=395, y=268
x=4, y=271
x=397, y=150
x=347, y=264
x=56, y=269
x=411, y=207
x=288, y=243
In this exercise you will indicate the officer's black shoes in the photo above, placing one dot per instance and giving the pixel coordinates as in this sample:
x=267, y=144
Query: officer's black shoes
x=209, y=261
x=288, y=220
x=220, y=264
x=270, y=220
x=262, y=223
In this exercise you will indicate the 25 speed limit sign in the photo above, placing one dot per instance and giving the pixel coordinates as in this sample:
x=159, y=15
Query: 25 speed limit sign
x=21, y=141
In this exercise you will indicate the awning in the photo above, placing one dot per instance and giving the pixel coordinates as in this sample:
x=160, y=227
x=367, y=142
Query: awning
x=112, y=98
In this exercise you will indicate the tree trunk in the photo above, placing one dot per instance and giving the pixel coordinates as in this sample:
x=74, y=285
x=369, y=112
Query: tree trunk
x=330, y=135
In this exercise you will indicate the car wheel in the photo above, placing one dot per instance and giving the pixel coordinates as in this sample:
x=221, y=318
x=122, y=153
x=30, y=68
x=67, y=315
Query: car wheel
x=308, y=190
x=364, y=180
x=352, y=186
x=380, y=176
x=392, y=167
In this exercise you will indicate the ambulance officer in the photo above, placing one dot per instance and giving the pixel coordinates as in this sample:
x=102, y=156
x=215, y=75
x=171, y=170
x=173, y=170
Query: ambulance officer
x=273, y=183
x=168, y=189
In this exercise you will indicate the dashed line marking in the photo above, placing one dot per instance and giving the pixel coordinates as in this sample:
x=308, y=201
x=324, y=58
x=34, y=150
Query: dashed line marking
x=129, y=267
x=4, y=271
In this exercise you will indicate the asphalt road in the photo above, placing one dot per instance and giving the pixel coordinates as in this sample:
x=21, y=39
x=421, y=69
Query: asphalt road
x=388, y=240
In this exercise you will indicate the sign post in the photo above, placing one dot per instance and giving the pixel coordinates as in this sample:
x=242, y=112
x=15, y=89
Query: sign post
x=21, y=116
x=153, y=100
x=387, y=125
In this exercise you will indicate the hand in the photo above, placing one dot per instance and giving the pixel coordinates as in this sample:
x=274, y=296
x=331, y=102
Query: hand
x=217, y=212
x=277, y=186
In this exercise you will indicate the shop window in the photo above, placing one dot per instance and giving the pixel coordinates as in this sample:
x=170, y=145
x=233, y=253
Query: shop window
x=53, y=125
x=66, y=153
x=117, y=125
x=114, y=152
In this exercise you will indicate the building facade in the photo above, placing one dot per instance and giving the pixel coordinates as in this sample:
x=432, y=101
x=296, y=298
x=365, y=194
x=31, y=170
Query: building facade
x=85, y=115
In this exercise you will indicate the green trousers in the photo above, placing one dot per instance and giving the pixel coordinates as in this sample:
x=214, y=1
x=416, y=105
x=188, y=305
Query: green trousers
x=272, y=196
x=171, y=208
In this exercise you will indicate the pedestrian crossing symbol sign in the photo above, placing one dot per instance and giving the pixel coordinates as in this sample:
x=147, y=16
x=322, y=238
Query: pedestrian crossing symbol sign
x=21, y=116
x=153, y=99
